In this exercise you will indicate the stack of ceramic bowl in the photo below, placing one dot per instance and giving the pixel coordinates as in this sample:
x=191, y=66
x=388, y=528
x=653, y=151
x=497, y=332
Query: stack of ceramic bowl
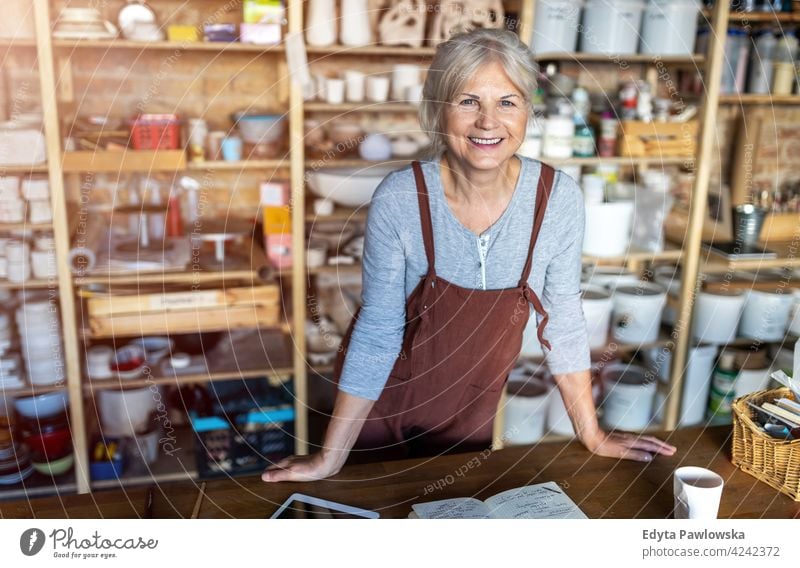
x=15, y=463
x=50, y=442
x=43, y=258
x=39, y=331
x=11, y=376
x=18, y=260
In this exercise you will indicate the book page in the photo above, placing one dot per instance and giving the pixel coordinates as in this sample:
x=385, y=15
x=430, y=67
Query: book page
x=460, y=508
x=542, y=501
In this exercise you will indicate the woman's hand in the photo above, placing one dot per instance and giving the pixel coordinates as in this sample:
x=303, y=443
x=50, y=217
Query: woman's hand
x=628, y=446
x=301, y=468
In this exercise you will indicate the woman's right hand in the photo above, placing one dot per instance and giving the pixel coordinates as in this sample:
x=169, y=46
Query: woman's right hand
x=301, y=468
x=349, y=413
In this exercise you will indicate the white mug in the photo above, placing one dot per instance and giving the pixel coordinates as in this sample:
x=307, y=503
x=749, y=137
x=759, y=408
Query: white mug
x=334, y=91
x=697, y=493
x=354, y=83
x=404, y=75
x=377, y=88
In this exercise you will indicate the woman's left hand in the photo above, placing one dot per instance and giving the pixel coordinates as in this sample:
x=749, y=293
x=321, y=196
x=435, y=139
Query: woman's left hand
x=628, y=446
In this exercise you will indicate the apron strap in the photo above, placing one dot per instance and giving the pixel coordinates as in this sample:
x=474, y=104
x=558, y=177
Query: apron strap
x=425, y=215
x=546, y=176
x=543, y=190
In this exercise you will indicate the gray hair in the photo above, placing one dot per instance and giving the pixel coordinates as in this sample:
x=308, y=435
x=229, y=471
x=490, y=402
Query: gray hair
x=458, y=59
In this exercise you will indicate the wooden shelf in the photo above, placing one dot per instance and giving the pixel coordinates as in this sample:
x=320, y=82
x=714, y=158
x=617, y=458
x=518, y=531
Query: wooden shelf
x=670, y=252
x=619, y=160
x=26, y=227
x=240, y=165
x=179, y=466
x=168, y=277
x=34, y=390
x=711, y=263
x=17, y=42
x=23, y=169
x=366, y=106
x=167, y=45
x=29, y=284
x=752, y=99
x=640, y=58
x=371, y=50
x=87, y=334
x=278, y=374
x=40, y=485
x=124, y=161
x=759, y=17
x=575, y=161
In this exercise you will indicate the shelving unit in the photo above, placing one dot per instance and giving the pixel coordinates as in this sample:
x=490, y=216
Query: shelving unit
x=53, y=58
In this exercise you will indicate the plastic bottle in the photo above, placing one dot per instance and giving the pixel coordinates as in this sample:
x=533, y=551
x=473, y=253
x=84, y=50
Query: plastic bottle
x=583, y=141
x=607, y=143
x=723, y=389
x=759, y=79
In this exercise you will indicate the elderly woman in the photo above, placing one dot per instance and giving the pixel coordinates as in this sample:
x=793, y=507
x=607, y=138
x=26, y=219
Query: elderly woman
x=459, y=252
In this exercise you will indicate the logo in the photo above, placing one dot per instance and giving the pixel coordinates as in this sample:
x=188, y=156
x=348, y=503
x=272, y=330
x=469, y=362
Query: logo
x=31, y=542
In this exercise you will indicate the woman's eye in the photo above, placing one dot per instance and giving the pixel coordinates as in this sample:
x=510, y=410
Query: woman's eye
x=510, y=104
x=466, y=102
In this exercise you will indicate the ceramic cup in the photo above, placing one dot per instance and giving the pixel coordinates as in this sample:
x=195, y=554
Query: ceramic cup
x=377, y=88
x=404, y=75
x=334, y=91
x=231, y=147
x=354, y=83
x=697, y=493
x=414, y=94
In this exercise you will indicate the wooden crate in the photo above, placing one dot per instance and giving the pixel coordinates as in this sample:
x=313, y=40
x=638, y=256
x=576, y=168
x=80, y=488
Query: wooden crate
x=183, y=312
x=124, y=161
x=658, y=139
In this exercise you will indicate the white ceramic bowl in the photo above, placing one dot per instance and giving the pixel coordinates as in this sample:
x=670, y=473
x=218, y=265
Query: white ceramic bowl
x=260, y=128
x=43, y=405
x=350, y=187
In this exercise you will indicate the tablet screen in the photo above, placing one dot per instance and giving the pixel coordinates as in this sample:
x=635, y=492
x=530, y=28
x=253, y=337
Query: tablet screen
x=299, y=510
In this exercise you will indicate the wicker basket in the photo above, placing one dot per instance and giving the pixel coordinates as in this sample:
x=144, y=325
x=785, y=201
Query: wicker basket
x=775, y=462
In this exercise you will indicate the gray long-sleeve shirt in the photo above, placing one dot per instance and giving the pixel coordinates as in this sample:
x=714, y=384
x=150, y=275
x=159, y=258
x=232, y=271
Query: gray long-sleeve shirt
x=394, y=262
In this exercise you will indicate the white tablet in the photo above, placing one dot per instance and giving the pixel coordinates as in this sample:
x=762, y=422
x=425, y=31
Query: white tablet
x=299, y=506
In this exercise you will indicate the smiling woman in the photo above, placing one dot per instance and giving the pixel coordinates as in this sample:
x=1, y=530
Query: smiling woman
x=460, y=251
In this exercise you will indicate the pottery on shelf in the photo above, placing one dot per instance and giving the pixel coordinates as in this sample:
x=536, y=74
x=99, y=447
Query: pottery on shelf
x=403, y=24
x=454, y=16
x=321, y=28
x=357, y=32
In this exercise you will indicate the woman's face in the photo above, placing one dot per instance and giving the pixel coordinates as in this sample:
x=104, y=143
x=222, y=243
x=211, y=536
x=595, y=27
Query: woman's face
x=485, y=125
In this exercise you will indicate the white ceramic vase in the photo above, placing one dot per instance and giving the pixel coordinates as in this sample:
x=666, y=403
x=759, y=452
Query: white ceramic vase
x=321, y=29
x=357, y=31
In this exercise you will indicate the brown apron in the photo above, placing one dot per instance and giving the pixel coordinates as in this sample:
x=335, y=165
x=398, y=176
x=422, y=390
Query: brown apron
x=459, y=346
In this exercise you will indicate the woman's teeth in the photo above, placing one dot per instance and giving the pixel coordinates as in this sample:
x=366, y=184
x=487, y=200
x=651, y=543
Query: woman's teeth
x=485, y=141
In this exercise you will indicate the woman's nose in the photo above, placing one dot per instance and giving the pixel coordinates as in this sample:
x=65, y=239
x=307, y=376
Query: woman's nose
x=486, y=119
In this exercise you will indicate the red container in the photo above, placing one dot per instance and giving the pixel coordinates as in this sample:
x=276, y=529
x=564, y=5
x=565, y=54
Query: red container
x=50, y=444
x=156, y=132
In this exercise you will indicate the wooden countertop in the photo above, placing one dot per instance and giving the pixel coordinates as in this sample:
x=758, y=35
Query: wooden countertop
x=602, y=487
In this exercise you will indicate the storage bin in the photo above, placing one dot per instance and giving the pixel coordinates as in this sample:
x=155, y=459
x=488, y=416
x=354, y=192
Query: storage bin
x=611, y=26
x=556, y=26
x=669, y=27
x=252, y=427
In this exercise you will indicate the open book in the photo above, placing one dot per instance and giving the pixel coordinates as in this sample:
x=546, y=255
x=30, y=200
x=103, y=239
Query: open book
x=541, y=501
